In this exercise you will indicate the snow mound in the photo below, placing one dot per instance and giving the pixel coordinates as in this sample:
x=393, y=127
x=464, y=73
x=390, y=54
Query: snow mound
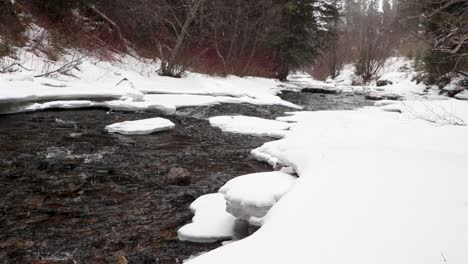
x=211, y=222
x=346, y=77
x=141, y=127
x=251, y=196
x=394, y=77
x=462, y=96
x=251, y=126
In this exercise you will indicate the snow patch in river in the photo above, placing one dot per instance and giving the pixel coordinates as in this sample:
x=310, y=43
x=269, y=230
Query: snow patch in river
x=141, y=127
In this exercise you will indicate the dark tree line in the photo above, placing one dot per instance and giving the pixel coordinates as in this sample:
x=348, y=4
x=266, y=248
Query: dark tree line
x=446, y=32
x=267, y=37
x=241, y=37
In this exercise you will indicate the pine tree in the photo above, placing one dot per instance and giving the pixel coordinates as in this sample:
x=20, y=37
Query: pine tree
x=58, y=8
x=298, y=35
x=446, y=26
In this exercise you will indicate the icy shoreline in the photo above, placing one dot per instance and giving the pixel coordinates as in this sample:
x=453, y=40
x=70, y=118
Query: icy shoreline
x=376, y=185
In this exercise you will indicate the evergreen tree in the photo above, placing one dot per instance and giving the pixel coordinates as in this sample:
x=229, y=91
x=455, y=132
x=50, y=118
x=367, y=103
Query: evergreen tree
x=58, y=8
x=298, y=34
x=446, y=30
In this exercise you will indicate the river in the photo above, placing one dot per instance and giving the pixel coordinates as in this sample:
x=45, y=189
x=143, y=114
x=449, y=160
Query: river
x=72, y=193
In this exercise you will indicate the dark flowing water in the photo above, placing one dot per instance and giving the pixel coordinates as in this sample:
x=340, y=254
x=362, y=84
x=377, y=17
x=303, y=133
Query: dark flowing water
x=72, y=193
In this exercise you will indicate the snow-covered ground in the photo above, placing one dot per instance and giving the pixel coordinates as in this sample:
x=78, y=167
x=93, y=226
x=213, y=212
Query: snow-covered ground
x=375, y=187
x=463, y=95
x=127, y=83
x=398, y=73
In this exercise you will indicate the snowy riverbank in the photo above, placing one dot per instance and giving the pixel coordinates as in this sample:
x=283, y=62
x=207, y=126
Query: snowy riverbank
x=383, y=184
x=375, y=187
x=126, y=83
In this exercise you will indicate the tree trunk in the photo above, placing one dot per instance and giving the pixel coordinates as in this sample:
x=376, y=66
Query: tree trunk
x=169, y=70
x=283, y=72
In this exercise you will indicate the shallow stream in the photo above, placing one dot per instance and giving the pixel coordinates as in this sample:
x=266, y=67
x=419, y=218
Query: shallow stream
x=72, y=193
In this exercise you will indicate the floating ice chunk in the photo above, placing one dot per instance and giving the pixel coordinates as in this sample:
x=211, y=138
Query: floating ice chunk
x=211, y=222
x=251, y=125
x=141, y=127
x=251, y=196
x=394, y=77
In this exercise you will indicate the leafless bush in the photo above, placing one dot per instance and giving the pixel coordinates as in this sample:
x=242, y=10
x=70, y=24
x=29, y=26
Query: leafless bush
x=434, y=114
x=65, y=68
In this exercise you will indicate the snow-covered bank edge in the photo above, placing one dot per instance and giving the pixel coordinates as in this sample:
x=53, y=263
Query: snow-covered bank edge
x=125, y=83
x=375, y=185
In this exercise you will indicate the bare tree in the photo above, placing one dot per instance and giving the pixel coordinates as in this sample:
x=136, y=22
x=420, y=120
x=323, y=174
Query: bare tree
x=374, y=43
x=169, y=65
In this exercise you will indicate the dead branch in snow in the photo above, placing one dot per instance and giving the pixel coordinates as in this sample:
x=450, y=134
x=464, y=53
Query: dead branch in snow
x=64, y=69
x=6, y=68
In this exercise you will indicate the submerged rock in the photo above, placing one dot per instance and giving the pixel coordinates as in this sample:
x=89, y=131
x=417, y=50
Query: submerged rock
x=178, y=176
x=384, y=83
x=383, y=96
x=322, y=90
